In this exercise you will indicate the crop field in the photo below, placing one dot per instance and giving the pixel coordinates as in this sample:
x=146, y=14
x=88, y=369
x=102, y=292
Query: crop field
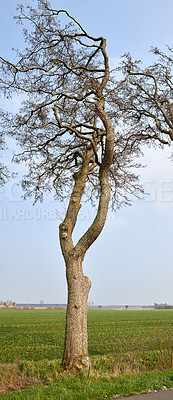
x=120, y=342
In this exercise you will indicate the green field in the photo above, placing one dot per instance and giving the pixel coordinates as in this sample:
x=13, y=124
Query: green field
x=123, y=345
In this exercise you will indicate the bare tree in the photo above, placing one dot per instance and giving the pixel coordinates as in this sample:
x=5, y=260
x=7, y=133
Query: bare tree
x=145, y=98
x=71, y=140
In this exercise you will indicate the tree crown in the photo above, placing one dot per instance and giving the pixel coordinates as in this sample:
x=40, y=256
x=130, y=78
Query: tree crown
x=64, y=76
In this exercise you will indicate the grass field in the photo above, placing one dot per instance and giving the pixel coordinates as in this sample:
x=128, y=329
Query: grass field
x=130, y=351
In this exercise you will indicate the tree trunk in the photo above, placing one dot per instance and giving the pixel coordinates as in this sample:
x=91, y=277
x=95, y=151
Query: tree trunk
x=76, y=338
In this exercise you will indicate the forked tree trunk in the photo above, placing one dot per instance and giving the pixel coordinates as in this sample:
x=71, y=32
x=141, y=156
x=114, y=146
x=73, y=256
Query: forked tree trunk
x=76, y=338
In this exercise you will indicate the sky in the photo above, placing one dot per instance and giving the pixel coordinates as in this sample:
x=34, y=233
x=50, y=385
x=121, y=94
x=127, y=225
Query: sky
x=131, y=262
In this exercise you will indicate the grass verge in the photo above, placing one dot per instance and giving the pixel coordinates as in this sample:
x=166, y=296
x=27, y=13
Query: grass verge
x=42, y=380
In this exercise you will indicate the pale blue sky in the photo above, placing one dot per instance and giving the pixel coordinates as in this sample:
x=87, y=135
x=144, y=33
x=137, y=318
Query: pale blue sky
x=131, y=262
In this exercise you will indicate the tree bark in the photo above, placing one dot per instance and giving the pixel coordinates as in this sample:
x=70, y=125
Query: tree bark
x=76, y=338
